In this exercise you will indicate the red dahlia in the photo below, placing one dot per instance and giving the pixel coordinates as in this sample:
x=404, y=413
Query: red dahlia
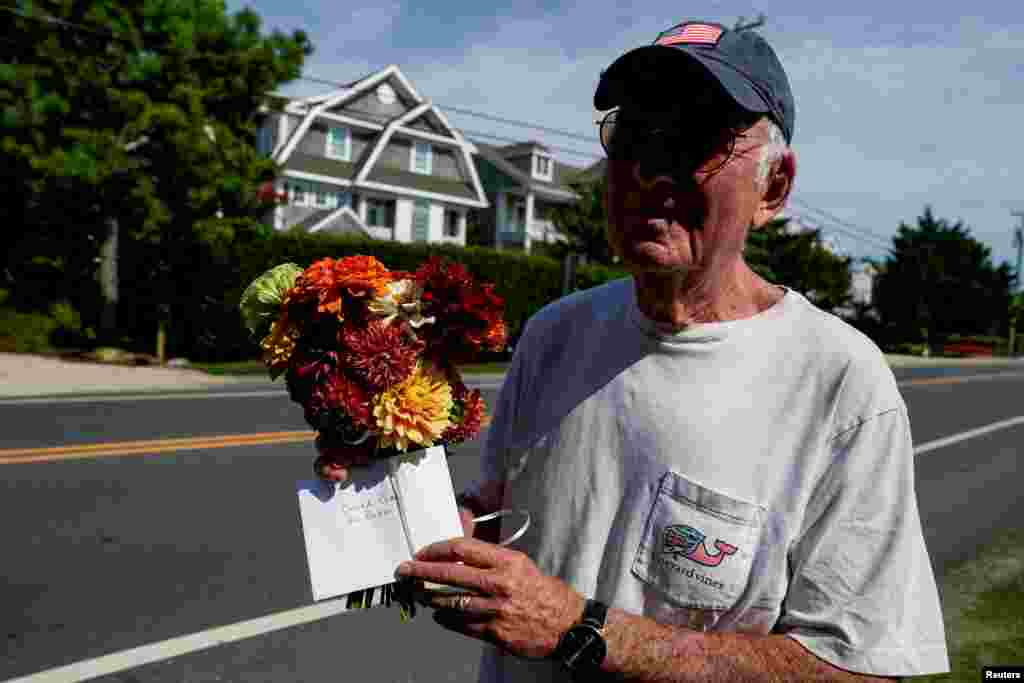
x=380, y=355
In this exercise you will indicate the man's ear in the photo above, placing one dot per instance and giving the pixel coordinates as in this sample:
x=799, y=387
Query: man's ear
x=779, y=186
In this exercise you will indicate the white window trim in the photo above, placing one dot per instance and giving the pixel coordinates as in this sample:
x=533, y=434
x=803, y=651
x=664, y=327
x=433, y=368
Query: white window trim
x=346, y=154
x=430, y=157
x=550, y=164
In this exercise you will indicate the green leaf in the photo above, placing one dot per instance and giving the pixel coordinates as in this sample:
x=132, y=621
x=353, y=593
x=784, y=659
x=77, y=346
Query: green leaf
x=261, y=300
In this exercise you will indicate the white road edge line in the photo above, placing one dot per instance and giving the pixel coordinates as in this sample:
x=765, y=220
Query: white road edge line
x=202, y=640
x=182, y=645
x=969, y=434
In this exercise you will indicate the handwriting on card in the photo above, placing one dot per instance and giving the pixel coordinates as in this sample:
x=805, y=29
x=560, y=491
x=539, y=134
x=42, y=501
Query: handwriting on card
x=364, y=509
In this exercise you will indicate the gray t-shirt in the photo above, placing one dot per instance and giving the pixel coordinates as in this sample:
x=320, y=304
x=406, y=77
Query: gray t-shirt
x=753, y=475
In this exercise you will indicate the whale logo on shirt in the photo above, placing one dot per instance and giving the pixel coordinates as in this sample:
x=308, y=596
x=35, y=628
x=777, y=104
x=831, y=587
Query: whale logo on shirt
x=682, y=540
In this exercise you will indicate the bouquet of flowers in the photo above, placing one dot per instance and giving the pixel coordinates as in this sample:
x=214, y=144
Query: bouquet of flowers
x=370, y=353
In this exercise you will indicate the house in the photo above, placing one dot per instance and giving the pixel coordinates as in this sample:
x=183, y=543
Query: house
x=373, y=158
x=523, y=183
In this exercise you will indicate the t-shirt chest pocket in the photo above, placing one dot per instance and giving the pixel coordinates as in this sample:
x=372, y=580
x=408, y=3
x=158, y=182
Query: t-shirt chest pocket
x=698, y=544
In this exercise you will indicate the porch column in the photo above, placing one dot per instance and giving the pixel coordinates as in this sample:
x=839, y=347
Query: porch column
x=529, y=221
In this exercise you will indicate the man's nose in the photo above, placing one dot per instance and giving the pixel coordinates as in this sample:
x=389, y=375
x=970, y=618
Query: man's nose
x=647, y=175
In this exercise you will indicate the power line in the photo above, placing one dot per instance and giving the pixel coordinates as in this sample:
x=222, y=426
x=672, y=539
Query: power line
x=849, y=234
x=850, y=229
x=478, y=134
x=489, y=117
x=67, y=24
x=837, y=219
x=377, y=118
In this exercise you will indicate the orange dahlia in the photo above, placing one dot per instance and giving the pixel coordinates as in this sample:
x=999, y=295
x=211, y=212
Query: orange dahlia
x=361, y=275
x=414, y=413
x=319, y=283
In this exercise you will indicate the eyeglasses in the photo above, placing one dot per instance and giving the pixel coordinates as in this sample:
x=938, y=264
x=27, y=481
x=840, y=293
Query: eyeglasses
x=700, y=141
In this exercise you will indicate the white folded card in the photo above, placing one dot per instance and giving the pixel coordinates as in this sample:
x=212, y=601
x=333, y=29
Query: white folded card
x=357, y=533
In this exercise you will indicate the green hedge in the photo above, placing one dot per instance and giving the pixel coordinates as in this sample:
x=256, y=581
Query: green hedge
x=40, y=332
x=205, y=324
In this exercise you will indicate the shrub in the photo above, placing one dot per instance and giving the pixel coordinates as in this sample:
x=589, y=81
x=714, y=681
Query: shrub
x=38, y=332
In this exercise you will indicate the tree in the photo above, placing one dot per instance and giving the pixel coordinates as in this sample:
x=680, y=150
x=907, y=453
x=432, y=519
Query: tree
x=800, y=261
x=585, y=222
x=938, y=281
x=142, y=111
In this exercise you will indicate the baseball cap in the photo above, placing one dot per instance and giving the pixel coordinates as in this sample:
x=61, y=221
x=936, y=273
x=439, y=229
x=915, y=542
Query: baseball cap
x=742, y=62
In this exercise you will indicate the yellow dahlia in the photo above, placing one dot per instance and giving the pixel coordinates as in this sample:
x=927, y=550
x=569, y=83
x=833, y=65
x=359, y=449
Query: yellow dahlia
x=414, y=412
x=279, y=345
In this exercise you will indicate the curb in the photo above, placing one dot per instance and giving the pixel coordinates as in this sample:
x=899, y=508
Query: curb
x=209, y=383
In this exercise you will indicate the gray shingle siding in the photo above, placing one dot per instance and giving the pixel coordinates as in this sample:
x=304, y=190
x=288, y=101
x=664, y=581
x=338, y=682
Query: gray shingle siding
x=368, y=106
x=320, y=165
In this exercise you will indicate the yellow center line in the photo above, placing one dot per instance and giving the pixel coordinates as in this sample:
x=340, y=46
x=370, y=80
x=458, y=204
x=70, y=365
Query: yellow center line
x=60, y=453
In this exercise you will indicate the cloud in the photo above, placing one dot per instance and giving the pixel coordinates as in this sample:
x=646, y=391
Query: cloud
x=890, y=115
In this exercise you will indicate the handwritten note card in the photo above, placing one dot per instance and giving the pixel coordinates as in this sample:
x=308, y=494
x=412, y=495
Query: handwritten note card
x=358, y=532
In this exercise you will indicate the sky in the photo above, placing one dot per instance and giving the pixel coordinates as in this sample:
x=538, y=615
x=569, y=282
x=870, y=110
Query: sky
x=898, y=104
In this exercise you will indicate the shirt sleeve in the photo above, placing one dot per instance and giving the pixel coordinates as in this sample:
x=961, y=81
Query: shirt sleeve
x=504, y=417
x=862, y=593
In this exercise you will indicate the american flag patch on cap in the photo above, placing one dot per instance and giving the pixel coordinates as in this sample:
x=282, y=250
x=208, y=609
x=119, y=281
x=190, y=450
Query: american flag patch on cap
x=700, y=34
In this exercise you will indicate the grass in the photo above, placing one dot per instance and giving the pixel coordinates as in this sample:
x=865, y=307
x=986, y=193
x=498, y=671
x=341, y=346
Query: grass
x=256, y=367
x=983, y=609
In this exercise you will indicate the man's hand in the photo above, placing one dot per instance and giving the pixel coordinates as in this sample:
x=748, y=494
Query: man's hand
x=518, y=608
x=336, y=463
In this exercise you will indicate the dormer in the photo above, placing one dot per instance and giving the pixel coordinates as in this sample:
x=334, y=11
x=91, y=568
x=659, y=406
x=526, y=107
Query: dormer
x=543, y=165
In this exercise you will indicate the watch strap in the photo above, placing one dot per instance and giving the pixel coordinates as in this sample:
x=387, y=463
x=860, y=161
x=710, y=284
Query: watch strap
x=594, y=613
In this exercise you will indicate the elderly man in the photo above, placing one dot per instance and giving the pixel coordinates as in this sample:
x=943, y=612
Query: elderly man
x=720, y=475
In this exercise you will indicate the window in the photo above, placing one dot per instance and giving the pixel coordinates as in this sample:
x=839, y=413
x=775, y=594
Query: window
x=542, y=166
x=265, y=140
x=451, y=223
x=422, y=157
x=339, y=143
x=342, y=198
x=380, y=213
x=300, y=192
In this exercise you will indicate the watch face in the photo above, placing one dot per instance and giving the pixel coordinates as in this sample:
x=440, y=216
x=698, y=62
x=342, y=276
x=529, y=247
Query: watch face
x=584, y=647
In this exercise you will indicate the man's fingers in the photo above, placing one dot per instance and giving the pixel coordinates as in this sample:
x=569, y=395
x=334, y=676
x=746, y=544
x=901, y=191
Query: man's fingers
x=449, y=574
x=472, y=551
x=334, y=463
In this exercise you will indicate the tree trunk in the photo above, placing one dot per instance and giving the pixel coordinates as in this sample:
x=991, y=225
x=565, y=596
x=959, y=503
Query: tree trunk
x=109, y=283
x=161, y=342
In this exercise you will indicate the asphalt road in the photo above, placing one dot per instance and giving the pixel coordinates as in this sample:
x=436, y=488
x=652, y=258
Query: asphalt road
x=104, y=554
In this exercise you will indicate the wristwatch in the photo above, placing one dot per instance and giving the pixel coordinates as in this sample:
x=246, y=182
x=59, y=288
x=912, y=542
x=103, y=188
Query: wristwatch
x=582, y=648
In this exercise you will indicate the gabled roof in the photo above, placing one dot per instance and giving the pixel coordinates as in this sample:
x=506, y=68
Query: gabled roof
x=522, y=149
x=364, y=172
x=343, y=221
x=557, y=189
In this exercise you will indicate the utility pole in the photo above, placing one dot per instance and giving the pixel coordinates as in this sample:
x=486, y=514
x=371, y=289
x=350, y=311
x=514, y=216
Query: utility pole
x=1015, y=312
x=1018, y=241
x=108, y=275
